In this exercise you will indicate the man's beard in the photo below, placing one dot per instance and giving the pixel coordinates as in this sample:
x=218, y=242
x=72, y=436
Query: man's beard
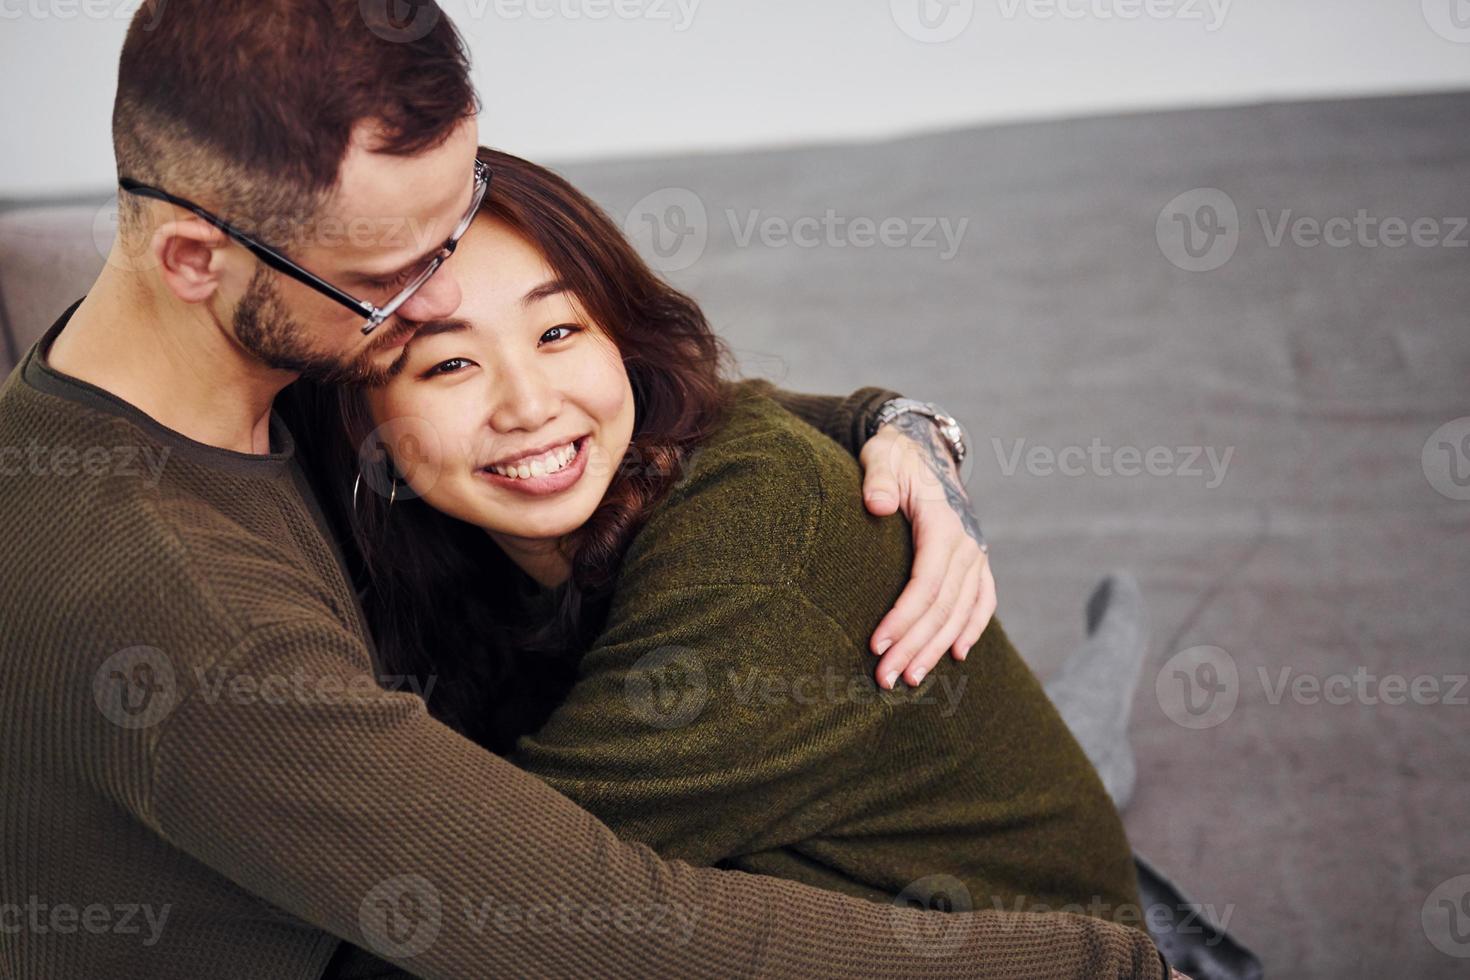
x=265, y=327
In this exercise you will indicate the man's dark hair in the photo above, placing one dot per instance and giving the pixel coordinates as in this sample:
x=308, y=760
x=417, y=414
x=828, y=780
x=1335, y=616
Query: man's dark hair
x=249, y=105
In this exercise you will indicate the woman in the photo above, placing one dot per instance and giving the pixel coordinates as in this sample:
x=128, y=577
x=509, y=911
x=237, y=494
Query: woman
x=651, y=586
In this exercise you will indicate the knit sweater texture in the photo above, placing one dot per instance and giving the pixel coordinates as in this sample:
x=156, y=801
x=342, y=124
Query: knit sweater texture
x=728, y=712
x=201, y=774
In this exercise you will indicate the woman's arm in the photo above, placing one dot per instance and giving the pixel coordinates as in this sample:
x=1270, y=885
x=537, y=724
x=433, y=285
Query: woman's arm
x=723, y=712
x=908, y=468
x=680, y=747
x=700, y=723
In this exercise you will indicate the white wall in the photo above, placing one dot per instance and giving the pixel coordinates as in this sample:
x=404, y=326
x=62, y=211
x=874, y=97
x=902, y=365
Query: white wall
x=564, y=79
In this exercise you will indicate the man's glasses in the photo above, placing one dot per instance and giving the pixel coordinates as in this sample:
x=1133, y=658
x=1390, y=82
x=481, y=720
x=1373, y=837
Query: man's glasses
x=373, y=314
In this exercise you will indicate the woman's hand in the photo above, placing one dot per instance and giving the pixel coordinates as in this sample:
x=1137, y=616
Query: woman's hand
x=951, y=595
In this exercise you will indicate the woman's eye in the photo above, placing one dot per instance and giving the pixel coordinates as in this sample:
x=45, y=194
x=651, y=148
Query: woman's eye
x=446, y=367
x=571, y=328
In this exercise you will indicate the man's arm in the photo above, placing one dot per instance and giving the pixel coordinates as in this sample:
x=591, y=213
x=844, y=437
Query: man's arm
x=843, y=419
x=361, y=814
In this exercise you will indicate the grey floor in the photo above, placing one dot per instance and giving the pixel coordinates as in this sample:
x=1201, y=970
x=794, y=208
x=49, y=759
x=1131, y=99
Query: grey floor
x=1324, y=831
x=1335, y=546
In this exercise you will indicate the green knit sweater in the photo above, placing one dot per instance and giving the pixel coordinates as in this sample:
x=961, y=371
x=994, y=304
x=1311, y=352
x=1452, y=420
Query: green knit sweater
x=202, y=775
x=727, y=713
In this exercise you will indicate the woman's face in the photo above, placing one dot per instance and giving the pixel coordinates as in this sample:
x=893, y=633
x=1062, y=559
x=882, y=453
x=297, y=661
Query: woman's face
x=514, y=414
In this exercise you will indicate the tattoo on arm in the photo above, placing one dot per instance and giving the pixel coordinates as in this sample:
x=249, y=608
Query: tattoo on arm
x=937, y=456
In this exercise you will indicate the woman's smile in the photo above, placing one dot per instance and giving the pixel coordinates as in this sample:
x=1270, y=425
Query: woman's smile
x=548, y=473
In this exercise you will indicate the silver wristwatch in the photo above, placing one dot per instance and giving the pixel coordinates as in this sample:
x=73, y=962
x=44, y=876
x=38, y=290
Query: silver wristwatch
x=949, y=428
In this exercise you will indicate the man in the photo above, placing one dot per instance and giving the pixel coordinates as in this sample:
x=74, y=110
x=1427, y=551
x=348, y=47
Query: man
x=200, y=774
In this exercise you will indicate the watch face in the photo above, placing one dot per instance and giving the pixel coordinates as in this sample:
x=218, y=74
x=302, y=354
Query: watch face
x=956, y=437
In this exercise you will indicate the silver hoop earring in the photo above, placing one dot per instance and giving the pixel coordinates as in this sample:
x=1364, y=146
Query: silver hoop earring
x=357, y=483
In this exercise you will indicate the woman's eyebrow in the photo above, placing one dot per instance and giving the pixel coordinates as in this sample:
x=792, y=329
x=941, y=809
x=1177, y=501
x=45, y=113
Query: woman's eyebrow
x=426, y=329
x=431, y=327
x=548, y=288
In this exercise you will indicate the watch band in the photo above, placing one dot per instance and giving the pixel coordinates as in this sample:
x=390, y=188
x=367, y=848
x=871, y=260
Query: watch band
x=949, y=428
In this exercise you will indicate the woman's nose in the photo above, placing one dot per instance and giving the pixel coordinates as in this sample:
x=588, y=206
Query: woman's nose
x=524, y=399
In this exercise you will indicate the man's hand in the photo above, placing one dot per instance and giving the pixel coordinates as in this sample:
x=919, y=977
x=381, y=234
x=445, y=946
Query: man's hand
x=951, y=596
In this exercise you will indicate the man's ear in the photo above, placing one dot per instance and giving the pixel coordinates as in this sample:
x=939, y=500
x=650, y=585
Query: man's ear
x=189, y=255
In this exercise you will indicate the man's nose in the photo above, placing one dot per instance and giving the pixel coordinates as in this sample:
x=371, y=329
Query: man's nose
x=436, y=299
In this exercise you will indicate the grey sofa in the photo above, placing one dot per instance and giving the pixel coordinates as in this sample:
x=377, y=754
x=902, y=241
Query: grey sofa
x=1322, y=831
x=48, y=258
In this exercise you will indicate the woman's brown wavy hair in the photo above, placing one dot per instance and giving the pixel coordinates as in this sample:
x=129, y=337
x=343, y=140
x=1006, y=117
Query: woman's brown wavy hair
x=442, y=601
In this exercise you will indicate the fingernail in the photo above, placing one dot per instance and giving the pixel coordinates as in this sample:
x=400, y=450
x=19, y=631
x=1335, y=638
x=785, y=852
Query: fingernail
x=891, y=678
x=883, y=645
x=879, y=497
x=962, y=654
x=918, y=678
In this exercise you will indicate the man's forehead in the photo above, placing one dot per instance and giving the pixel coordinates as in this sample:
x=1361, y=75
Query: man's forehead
x=396, y=208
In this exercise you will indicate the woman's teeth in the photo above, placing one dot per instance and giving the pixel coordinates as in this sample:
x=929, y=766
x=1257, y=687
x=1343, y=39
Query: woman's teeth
x=548, y=462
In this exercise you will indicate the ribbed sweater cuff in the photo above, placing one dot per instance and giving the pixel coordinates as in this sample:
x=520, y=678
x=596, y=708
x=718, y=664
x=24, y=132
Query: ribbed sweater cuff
x=849, y=423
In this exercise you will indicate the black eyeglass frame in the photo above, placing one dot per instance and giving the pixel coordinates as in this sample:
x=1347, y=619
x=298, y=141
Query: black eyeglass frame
x=374, y=315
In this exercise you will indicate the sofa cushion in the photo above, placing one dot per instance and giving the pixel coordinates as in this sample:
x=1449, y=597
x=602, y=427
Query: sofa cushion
x=49, y=257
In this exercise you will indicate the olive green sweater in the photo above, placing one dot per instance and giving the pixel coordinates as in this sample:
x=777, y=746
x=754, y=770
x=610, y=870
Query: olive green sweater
x=727, y=713
x=201, y=774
